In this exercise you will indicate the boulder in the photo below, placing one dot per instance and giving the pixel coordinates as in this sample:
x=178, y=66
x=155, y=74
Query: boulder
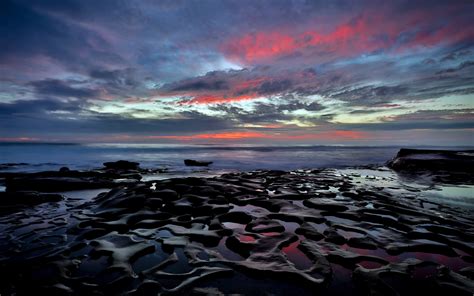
x=433, y=160
x=191, y=162
x=122, y=165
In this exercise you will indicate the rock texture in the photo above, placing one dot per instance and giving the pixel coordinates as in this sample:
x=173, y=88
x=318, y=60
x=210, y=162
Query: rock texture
x=302, y=232
x=433, y=160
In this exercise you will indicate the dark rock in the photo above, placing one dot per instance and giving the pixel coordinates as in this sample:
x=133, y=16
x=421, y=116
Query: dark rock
x=433, y=160
x=334, y=237
x=191, y=162
x=325, y=204
x=309, y=232
x=56, y=184
x=269, y=227
x=64, y=169
x=122, y=165
x=264, y=226
x=27, y=198
x=362, y=243
x=236, y=217
x=239, y=247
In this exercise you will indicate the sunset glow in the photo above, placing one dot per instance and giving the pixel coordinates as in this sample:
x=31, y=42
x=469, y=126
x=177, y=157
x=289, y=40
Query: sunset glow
x=363, y=72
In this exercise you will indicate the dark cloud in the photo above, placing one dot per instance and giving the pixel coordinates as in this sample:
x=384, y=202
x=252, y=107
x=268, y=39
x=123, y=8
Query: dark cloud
x=371, y=95
x=455, y=55
x=32, y=33
x=410, y=125
x=461, y=67
x=38, y=107
x=59, y=56
x=48, y=117
x=60, y=88
x=202, y=85
x=263, y=113
x=117, y=77
x=272, y=87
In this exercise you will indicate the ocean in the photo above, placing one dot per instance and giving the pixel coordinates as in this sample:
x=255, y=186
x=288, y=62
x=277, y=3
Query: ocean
x=41, y=157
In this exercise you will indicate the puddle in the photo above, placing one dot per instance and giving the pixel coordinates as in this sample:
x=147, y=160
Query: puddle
x=370, y=264
x=246, y=238
x=297, y=257
x=459, y=196
x=270, y=233
x=289, y=226
x=84, y=195
x=150, y=260
x=226, y=253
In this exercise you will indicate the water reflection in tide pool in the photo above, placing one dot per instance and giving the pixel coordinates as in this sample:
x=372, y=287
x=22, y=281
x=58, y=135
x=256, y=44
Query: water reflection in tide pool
x=84, y=195
x=460, y=196
x=297, y=257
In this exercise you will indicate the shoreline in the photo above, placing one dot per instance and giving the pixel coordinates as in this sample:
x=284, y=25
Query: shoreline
x=336, y=231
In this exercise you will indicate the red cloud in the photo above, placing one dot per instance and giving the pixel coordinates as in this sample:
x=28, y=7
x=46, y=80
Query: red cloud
x=215, y=99
x=242, y=135
x=265, y=45
x=218, y=136
x=365, y=34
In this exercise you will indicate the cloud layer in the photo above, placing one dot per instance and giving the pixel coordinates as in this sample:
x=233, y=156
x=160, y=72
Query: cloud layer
x=362, y=72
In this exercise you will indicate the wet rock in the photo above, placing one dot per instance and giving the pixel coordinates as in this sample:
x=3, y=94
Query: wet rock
x=239, y=247
x=309, y=232
x=331, y=235
x=191, y=162
x=288, y=228
x=64, y=169
x=325, y=204
x=362, y=243
x=427, y=247
x=57, y=184
x=400, y=279
x=454, y=283
x=433, y=160
x=236, y=217
x=207, y=291
x=122, y=165
x=27, y=198
x=264, y=226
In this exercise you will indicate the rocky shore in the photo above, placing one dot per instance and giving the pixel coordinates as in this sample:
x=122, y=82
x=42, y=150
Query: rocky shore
x=330, y=232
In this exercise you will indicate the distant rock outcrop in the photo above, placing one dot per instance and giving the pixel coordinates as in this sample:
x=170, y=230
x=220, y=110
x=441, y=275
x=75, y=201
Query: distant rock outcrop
x=122, y=165
x=191, y=162
x=433, y=160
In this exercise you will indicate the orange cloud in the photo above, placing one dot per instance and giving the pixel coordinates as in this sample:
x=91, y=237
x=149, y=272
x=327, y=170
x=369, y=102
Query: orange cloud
x=242, y=135
x=216, y=136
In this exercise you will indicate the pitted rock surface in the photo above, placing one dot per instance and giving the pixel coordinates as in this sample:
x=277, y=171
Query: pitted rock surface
x=302, y=232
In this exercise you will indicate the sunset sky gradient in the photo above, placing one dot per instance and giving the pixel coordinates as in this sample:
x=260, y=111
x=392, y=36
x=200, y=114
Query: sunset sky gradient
x=317, y=72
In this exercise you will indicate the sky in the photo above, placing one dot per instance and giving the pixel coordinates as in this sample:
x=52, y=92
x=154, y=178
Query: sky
x=281, y=72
